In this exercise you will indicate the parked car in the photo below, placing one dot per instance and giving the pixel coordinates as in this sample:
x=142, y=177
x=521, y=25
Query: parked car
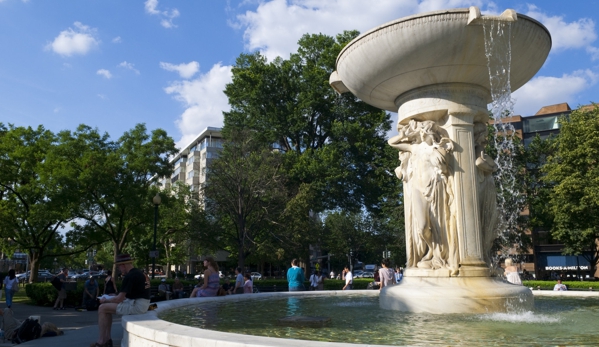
x=367, y=274
x=358, y=273
x=201, y=275
x=42, y=275
x=255, y=276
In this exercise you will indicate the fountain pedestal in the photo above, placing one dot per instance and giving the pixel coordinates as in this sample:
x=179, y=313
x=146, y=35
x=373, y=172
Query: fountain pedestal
x=432, y=69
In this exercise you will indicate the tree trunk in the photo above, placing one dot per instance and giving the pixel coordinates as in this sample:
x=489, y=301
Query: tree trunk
x=115, y=251
x=34, y=258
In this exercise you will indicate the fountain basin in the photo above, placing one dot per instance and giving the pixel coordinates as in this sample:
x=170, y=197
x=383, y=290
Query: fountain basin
x=434, y=48
x=150, y=330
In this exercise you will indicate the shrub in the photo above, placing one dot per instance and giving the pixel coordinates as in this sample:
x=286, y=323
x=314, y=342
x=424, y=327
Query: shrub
x=572, y=285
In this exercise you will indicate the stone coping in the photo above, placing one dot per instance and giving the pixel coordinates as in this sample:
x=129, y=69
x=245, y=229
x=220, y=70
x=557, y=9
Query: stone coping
x=149, y=330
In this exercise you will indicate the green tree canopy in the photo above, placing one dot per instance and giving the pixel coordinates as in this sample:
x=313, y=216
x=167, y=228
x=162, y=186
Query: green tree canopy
x=574, y=171
x=333, y=144
x=115, y=179
x=34, y=201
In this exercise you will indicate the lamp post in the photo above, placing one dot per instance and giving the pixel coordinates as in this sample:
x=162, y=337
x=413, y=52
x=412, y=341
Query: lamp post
x=156, y=200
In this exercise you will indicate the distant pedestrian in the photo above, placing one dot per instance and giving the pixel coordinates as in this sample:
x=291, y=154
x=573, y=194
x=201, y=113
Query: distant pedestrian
x=238, y=282
x=295, y=277
x=349, y=279
x=248, y=285
x=11, y=286
x=332, y=274
x=62, y=293
x=386, y=274
x=109, y=284
x=511, y=272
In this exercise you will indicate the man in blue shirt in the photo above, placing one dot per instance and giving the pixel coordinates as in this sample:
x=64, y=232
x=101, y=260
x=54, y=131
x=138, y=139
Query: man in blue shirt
x=295, y=277
x=91, y=291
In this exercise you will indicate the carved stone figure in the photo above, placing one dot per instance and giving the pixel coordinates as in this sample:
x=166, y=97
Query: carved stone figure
x=424, y=149
x=487, y=193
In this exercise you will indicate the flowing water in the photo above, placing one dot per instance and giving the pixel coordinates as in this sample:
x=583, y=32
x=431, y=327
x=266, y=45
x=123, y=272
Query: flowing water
x=358, y=319
x=509, y=198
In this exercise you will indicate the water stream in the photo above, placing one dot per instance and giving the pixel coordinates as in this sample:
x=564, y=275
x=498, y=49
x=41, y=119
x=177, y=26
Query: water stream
x=509, y=198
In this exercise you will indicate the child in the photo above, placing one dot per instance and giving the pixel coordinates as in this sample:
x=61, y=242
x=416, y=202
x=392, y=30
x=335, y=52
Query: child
x=248, y=286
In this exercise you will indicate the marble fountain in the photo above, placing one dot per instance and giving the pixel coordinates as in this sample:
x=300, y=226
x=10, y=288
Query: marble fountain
x=432, y=70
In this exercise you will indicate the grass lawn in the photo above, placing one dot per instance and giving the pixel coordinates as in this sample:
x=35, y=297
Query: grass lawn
x=20, y=297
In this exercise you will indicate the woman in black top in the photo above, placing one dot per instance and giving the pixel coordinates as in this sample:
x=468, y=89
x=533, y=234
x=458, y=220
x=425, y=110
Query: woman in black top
x=110, y=286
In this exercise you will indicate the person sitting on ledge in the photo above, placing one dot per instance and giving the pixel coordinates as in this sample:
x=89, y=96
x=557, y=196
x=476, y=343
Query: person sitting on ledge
x=211, y=280
x=164, y=290
x=560, y=287
x=134, y=298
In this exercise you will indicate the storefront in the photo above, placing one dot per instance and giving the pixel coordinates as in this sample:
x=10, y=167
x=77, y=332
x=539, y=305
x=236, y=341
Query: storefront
x=553, y=265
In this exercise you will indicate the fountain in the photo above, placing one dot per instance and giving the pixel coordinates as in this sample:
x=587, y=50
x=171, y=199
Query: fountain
x=432, y=69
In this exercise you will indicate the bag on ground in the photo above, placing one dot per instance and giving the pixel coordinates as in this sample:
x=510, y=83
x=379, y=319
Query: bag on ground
x=29, y=330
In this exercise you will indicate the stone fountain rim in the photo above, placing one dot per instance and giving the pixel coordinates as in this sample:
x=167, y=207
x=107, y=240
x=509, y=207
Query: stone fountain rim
x=163, y=333
x=423, y=15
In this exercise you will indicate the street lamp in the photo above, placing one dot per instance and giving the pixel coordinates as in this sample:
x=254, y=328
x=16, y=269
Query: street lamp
x=156, y=200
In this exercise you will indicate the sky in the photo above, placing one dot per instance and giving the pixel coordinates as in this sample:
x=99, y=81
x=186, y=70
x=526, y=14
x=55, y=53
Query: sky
x=112, y=64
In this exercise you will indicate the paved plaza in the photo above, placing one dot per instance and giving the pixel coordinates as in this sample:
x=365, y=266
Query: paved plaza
x=80, y=328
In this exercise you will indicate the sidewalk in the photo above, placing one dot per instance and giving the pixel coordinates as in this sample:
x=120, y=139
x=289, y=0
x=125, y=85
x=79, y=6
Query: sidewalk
x=80, y=328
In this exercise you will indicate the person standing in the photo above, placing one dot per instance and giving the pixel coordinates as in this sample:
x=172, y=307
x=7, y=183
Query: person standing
x=313, y=281
x=386, y=275
x=134, y=298
x=295, y=277
x=332, y=274
x=248, y=286
x=109, y=284
x=11, y=285
x=62, y=293
x=238, y=282
x=320, y=280
x=349, y=279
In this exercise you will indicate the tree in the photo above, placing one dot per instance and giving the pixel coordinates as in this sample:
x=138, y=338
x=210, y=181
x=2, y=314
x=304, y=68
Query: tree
x=574, y=171
x=116, y=180
x=35, y=204
x=332, y=144
x=245, y=193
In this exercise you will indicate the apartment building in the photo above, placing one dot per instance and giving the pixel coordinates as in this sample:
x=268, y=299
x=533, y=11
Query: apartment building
x=192, y=162
x=545, y=259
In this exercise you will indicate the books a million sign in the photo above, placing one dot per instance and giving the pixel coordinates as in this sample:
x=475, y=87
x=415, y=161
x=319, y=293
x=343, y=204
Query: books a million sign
x=574, y=267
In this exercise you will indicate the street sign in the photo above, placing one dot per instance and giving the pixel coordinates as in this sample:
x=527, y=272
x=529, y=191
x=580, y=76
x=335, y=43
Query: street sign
x=153, y=254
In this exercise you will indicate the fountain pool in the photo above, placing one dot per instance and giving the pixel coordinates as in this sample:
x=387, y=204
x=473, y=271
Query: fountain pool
x=558, y=318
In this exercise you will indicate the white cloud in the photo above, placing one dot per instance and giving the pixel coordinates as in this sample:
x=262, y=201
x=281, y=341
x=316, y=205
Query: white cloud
x=184, y=70
x=204, y=101
x=547, y=90
x=117, y=40
x=564, y=35
x=166, y=16
x=105, y=73
x=275, y=26
x=594, y=52
x=102, y=96
x=128, y=66
x=74, y=41
x=57, y=109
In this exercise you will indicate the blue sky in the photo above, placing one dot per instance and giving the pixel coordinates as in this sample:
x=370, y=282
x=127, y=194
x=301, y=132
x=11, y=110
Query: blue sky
x=112, y=64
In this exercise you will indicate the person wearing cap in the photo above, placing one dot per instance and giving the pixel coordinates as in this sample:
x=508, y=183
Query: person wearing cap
x=91, y=290
x=163, y=289
x=133, y=298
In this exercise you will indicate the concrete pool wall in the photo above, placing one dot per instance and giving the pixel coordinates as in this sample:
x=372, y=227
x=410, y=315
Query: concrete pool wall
x=149, y=330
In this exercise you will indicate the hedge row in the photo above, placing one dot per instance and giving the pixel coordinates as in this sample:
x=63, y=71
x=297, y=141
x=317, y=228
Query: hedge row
x=572, y=285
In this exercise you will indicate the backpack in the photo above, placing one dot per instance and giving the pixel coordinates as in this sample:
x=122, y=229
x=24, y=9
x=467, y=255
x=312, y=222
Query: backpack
x=30, y=329
x=56, y=283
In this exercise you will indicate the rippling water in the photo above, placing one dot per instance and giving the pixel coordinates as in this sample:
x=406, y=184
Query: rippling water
x=554, y=322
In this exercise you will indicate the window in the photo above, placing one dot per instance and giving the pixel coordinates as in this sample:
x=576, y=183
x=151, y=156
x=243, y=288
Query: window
x=192, y=173
x=534, y=124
